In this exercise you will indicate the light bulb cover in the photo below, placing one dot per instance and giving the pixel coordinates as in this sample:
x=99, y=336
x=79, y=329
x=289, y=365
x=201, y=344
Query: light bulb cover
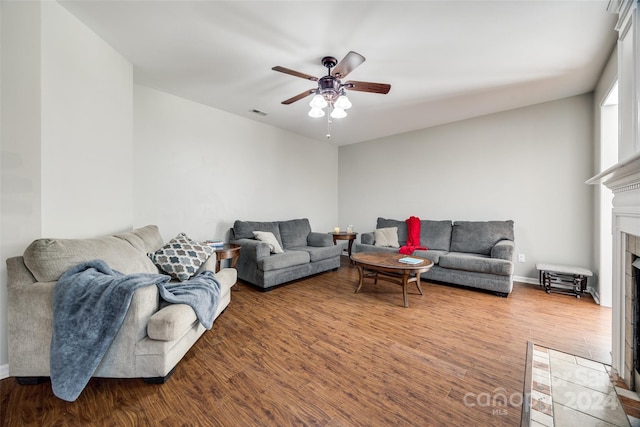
x=338, y=113
x=343, y=102
x=316, y=112
x=318, y=101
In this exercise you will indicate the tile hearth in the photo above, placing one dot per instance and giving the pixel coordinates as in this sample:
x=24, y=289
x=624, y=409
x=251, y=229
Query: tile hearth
x=568, y=390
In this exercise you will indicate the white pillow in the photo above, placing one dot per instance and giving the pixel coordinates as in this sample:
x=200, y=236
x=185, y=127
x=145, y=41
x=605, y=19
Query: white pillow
x=387, y=237
x=268, y=238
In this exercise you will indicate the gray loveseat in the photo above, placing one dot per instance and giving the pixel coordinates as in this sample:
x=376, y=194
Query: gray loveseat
x=304, y=252
x=153, y=337
x=475, y=254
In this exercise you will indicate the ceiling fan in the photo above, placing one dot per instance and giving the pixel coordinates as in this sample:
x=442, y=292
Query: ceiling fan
x=330, y=90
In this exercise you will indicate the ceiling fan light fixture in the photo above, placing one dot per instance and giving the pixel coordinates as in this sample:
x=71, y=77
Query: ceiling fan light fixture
x=338, y=113
x=343, y=102
x=316, y=112
x=318, y=101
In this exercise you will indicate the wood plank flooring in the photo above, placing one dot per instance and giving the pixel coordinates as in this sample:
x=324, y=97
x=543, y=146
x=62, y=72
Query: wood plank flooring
x=314, y=353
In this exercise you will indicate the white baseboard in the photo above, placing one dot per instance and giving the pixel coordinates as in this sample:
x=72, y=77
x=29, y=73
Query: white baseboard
x=536, y=281
x=4, y=371
x=529, y=280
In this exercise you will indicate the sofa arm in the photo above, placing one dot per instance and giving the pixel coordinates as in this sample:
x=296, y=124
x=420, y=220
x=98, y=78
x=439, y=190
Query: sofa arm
x=503, y=250
x=252, y=250
x=319, y=239
x=367, y=238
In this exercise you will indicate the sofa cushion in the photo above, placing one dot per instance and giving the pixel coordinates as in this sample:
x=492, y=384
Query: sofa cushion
x=171, y=322
x=245, y=229
x=476, y=263
x=268, y=238
x=431, y=254
x=479, y=237
x=402, y=228
x=181, y=257
x=294, y=232
x=386, y=237
x=147, y=239
x=48, y=259
x=318, y=253
x=287, y=259
x=435, y=234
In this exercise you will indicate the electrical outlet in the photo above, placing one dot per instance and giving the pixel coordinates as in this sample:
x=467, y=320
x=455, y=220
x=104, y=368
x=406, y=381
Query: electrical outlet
x=521, y=258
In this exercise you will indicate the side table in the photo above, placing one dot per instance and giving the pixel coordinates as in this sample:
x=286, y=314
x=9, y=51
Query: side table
x=343, y=235
x=228, y=251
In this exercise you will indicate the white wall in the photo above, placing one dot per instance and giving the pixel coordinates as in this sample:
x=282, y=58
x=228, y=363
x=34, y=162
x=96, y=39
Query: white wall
x=66, y=133
x=528, y=165
x=20, y=220
x=198, y=169
x=87, y=130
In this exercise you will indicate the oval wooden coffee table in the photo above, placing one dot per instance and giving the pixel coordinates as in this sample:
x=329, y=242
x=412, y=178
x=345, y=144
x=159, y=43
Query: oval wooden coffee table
x=385, y=266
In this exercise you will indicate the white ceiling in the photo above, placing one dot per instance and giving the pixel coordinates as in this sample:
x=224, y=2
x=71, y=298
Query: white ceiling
x=445, y=60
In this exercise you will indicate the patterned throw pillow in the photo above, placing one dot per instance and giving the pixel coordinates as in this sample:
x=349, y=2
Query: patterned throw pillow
x=181, y=257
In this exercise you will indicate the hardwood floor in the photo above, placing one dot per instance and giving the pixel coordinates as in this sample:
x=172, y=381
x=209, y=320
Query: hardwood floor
x=315, y=353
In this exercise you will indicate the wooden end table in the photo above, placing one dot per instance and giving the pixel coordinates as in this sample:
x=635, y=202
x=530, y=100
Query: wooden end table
x=228, y=251
x=343, y=235
x=385, y=266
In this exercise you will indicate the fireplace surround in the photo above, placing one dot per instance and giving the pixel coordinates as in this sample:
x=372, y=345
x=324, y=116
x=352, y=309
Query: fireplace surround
x=631, y=372
x=624, y=181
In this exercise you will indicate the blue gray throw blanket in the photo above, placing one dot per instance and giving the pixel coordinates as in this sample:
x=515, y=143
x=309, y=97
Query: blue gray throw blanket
x=90, y=302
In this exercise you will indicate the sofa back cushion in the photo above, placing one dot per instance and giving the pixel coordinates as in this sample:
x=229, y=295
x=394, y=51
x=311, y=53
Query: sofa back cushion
x=294, y=232
x=48, y=259
x=435, y=235
x=245, y=229
x=147, y=239
x=478, y=237
x=401, y=225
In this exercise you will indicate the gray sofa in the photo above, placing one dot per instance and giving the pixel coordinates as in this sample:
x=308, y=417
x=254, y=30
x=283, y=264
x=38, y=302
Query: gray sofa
x=475, y=254
x=304, y=252
x=153, y=337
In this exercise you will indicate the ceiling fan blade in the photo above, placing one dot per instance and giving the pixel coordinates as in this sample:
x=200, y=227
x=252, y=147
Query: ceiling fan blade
x=299, y=96
x=382, y=88
x=348, y=64
x=295, y=73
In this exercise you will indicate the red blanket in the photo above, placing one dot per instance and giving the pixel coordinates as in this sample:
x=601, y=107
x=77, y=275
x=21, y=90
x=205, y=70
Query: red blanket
x=413, y=236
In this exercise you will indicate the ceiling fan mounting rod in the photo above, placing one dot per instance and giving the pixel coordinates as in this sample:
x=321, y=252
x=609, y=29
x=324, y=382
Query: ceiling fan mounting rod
x=329, y=62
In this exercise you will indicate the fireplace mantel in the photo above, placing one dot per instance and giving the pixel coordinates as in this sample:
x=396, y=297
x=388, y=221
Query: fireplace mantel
x=622, y=176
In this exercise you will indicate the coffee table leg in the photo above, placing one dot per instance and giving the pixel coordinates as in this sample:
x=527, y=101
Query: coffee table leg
x=361, y=272
x=405, y=285
x=418, y=283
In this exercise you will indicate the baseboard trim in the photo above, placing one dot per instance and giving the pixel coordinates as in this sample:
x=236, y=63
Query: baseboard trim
x=536, y=281
x=529, y=280
x=4, y=371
